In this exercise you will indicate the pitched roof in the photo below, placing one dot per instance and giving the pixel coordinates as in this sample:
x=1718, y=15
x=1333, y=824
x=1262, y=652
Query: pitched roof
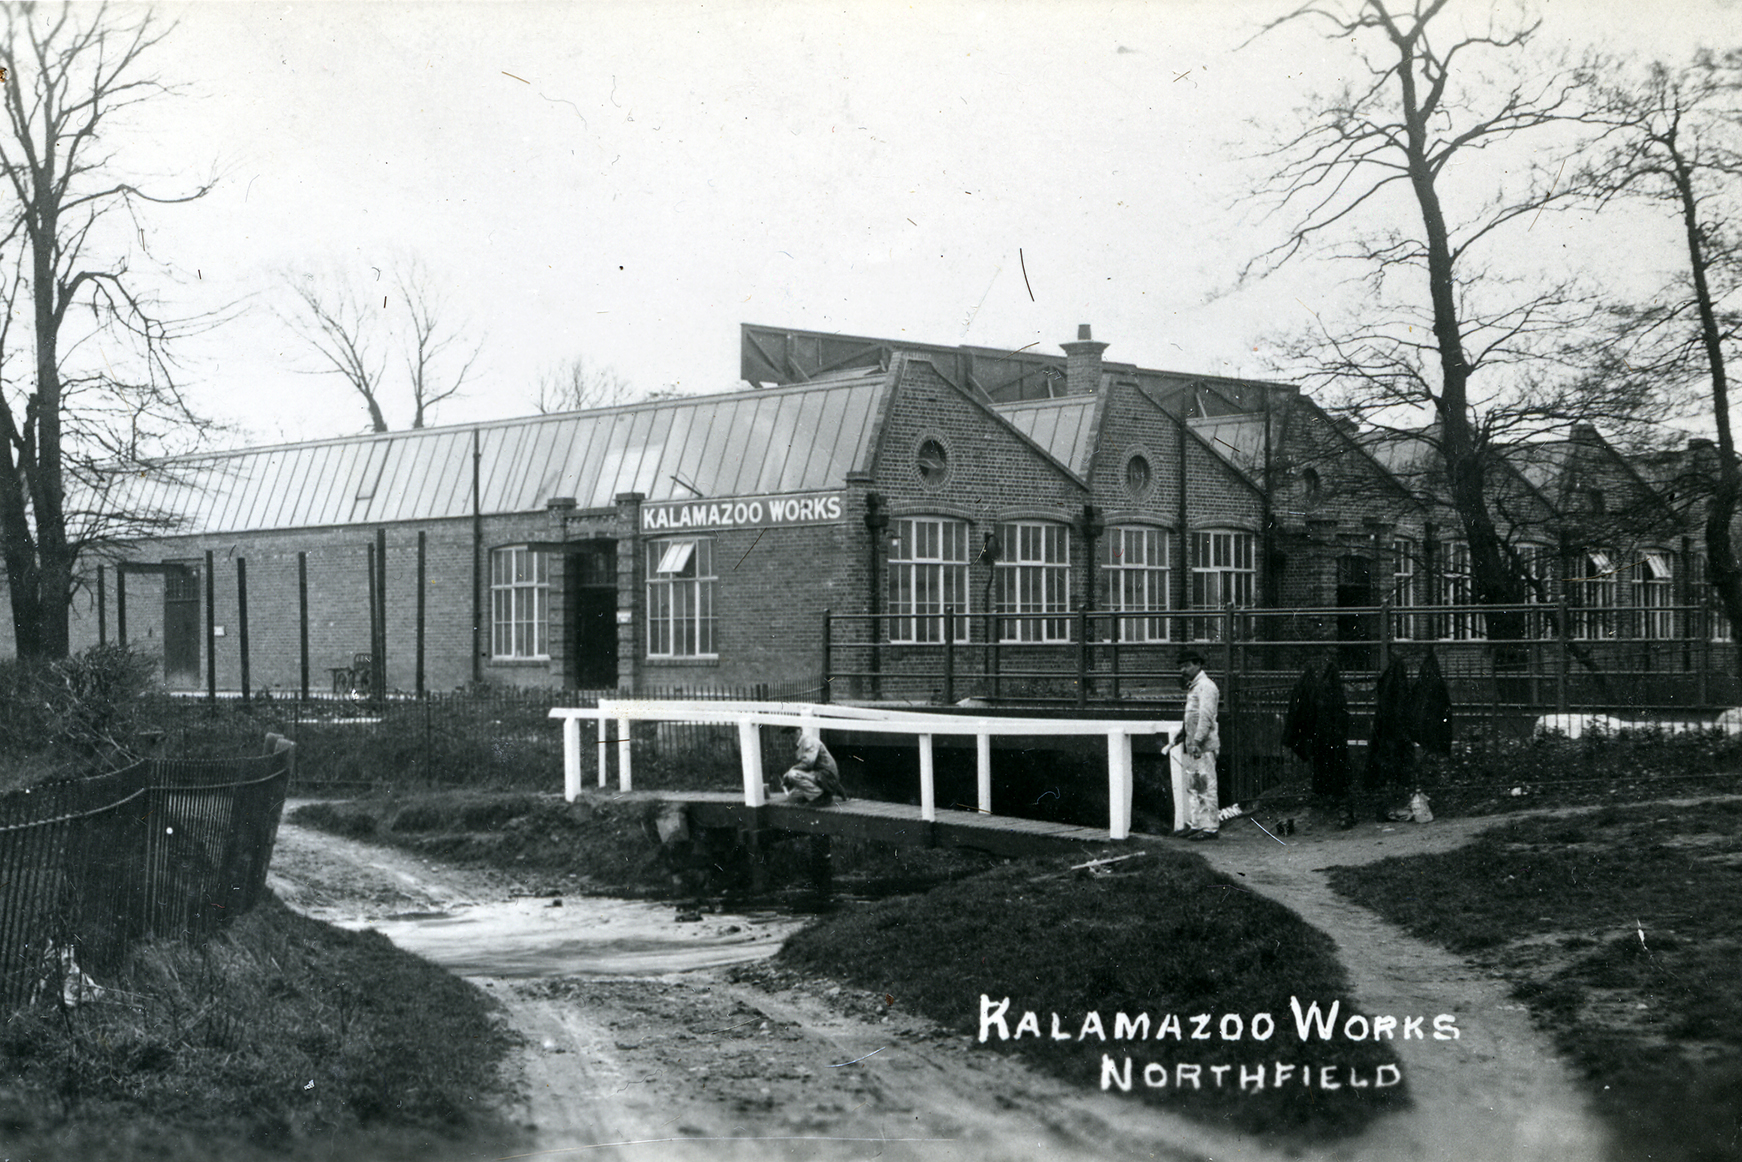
x=1064, y=427
x=781, y=440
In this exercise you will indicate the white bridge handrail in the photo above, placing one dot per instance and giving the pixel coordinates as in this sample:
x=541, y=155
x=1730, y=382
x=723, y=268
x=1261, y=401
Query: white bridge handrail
x=750, y=717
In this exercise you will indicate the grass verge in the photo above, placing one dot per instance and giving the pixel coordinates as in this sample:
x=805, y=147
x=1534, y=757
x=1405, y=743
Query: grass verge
x=1621, y=930
x=1162, y=935
x=282, y=1038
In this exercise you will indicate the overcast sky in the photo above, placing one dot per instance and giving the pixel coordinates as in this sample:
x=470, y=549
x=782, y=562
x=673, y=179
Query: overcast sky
x=630, y=181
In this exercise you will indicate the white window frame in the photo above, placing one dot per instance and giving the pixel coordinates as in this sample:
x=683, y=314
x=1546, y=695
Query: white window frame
x=681, y=585
x=1654, y=593
x=1591, y=594
x=519, y=604
x=1403, y=594
x=1455, y=584
x=1033, y=576
x=1139, y=580
x=1223, y=574
x=927, y=571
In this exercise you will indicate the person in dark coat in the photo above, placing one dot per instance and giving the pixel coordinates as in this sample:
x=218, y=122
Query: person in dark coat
x=1390, y=749
x=1298, y=730
x=1430, y=714
x=1331, y=736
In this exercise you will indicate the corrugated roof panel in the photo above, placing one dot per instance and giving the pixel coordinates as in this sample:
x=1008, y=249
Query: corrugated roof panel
x=649, y=480
x=707, y=472
x=744, y=444
x=450, y=490
x=1062, y=426
x=260, y=498
x=543, y=458
x=405, y=489
x=680, y=453
x=823, y=422
x=495, y=479
x=307, y=470
x=780, y=422
x=585, y=460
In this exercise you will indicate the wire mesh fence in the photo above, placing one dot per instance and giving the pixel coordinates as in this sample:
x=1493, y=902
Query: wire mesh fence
x=166, y=848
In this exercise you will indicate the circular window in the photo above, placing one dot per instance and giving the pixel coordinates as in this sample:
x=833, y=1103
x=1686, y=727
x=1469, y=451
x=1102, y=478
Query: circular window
x=1137, y=475
x=933, y=462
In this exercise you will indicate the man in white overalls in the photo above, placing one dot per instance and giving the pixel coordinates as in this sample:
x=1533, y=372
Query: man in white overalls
x=1199, y=743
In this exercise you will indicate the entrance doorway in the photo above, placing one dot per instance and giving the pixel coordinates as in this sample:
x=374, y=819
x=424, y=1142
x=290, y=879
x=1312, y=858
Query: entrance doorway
x=592, y=596
x=181, y=624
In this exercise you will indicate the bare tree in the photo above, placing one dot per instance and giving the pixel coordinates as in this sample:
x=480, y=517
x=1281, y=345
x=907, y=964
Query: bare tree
x=343, y=327
x=1375, y=176
x=352, y=325
x=578, y=384
x=73, y=73
x=1678, y=147
x=436, y=358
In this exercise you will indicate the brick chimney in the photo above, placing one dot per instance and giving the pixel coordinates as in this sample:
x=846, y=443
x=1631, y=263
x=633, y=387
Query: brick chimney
x=1083, y=363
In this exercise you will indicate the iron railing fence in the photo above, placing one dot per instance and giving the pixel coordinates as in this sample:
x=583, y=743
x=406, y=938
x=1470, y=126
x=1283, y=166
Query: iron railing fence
x=166, y=848
x=1548, y=658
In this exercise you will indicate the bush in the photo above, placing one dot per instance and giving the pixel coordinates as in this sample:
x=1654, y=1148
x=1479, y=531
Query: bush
x=83, y=709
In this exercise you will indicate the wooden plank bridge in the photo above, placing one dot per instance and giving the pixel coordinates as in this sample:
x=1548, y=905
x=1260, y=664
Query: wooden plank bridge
x=897, y=823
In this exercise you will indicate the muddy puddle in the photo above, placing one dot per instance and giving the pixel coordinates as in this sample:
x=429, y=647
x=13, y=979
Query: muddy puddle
x=581, y=936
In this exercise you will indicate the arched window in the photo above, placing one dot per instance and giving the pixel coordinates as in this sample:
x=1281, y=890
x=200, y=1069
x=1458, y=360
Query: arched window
x=1591, y=591
x=928, y=570
x=1222, y=575
x=1135, y=562
x=1033, y=576
x=1653, y=585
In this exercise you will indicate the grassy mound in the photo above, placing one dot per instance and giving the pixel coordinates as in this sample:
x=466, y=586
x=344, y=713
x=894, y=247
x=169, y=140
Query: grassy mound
x=281, y=1038
x=1621, y=929
x=1164, y=935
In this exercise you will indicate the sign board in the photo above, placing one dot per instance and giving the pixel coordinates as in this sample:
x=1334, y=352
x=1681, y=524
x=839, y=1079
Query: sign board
x=759, y=512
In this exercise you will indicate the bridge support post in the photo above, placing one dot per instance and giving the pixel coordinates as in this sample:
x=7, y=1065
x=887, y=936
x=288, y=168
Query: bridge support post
x=1118, y=785
x=928, y=794
x=571, y=759
x=625, y=781
x=983, y=763
x=750, y=758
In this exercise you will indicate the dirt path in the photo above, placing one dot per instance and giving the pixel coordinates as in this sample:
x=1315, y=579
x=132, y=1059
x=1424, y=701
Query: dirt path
x=692, y=1064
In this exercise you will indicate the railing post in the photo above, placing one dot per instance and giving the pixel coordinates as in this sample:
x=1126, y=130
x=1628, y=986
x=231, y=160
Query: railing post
x=1082, y=658
x=1384, y=634
x=571, y=759
x=949, y=655
x=828, y=631
x=750, y=759
x=983, y=770
x=1563, y=640
x=1118, y=785
x=928, y=796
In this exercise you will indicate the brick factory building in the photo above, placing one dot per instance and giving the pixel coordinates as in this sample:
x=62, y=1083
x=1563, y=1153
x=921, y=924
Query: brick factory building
x=697, y=542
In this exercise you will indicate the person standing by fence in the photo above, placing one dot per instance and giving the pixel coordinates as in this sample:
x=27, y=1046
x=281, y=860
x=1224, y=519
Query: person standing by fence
x=1201, y=742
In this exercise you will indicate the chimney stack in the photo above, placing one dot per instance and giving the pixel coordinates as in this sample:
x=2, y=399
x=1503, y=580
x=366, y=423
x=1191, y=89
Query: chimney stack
x=1083, y=363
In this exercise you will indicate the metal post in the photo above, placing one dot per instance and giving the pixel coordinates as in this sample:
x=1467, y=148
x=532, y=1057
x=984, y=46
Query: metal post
x=1082, y=658
x=949, y=655
x=242, y=620
x=302, y=616
x=1384, y=634
x=121, y=605
x=1565, y=651
x=421, y=585
x=379, y=685
x=828, y=638
x=211, y=633
x=102, y=609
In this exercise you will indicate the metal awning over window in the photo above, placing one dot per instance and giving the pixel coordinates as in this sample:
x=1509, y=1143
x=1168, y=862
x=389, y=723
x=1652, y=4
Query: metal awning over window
x=676, y=556
x=1660, y=566
x=1599, y=564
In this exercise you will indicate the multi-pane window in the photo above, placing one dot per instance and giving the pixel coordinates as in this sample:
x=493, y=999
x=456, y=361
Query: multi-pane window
x=1222, y=575
x=928, y=570
x=1591, y=593
x=680, y=597
x=1135, y=562
x=1717, y=624
x=1653, y=582
x=1033, y=576
x=1403, y=596
x=519, y=603
x=1454, y=586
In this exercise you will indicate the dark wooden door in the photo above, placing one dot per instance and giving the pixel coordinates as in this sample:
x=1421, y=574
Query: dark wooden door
x=593, y=622
x=181, y=625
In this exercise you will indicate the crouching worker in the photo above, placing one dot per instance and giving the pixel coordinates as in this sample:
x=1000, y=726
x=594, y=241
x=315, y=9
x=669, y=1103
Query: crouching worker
x=813, y=777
